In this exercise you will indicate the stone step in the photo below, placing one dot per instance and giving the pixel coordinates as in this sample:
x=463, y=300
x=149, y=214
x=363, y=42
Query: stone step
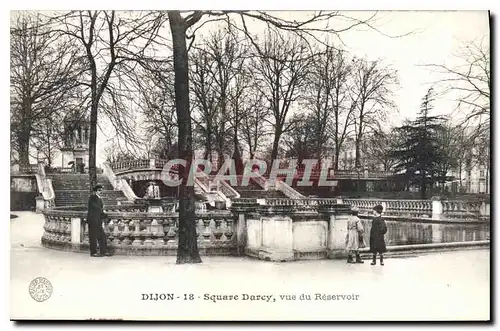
x=76, y=181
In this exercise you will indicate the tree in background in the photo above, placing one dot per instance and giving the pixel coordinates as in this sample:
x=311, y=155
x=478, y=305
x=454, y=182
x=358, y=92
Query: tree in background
x=469, y=83
x=373, y=86
x=108, y=42
x=327, y=96
x=419, y=154
x=281, y=66
x=44, y=71
x=378, y=147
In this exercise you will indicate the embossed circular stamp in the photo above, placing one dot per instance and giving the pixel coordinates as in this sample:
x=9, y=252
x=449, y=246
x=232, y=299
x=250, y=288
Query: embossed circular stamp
x=40, y=289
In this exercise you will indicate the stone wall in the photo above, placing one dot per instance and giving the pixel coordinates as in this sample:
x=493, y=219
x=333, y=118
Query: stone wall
x=23, y=190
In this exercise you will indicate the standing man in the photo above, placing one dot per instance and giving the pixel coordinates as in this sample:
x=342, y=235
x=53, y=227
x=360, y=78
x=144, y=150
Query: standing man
x=95, y=216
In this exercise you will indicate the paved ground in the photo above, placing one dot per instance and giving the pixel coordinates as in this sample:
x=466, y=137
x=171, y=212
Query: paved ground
x=443, y=286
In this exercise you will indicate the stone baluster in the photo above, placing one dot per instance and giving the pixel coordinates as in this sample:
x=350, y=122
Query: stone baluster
x=85, y=235
x=136, y=234
x=118, y=226
x=229, y=228
x=216, y=229
x=126, y=232
x=146, y=234
x=157, y=232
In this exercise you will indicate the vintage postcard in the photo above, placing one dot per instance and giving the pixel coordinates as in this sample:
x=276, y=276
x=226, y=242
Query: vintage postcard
x=234, y=165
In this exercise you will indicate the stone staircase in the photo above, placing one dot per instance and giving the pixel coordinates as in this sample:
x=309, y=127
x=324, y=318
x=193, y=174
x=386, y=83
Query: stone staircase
x=253, y=190
x=74, y=189
x=320, y=192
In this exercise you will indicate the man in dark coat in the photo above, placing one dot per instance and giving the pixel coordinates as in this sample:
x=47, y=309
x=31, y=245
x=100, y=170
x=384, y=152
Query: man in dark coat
x=377, y=232
x=95, y=216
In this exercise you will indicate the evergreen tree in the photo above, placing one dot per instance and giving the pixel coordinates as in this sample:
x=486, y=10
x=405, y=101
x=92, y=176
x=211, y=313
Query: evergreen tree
x=418, y=155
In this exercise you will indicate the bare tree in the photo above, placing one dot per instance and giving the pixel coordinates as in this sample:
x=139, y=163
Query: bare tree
x=108, y=41
x=157, y=103
x=43, y=73
x=373, y=84
x=179, y=25
x=205, y=115
x=328, y=88
x=469, y=82
x=255, y=126
x=217, y=80
x=115, y=153
x=281, y=67
x=48, y=137
x=377, y=148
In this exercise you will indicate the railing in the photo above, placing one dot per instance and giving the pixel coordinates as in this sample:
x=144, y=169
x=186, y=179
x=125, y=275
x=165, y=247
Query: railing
x=203, y=182
x=139, y=232
x=364, y=174
x=45, y=188
x=130, y=164
x=393, y=207
x=288, y=190
x=119, y=184
x=313, y=230
x=227, y=190
x=461, y=209
x=261, y=181
x=160, y=163
x=29, y=169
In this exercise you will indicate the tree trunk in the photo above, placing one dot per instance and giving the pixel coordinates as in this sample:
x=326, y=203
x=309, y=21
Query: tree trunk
x=337, y=156
x=357, y=162
x=423, y=188
x=359, y=136
x=277, y=136
x=187, y=250
x=23, y=141
x=93, y=145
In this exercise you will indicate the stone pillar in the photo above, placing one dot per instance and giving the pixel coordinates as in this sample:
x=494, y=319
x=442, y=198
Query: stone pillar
x=277, y=233
x=244, y=211
x=484, y=210
x=437, y=233
x=76, y=232
x=337, y=216
x=151, y=163
x=40, y=203
x=437, y=209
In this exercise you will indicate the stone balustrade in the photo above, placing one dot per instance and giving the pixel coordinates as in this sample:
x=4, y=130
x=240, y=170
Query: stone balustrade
x=411, y=208
x=281, y=231
x=273, y=229
x=288, y=190
x=132, y=230
x=46, y=199
x=131, y=164
x=461, y=209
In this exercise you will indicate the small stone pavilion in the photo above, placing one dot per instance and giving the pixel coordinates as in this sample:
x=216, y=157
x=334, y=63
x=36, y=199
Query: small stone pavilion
x=76, y=144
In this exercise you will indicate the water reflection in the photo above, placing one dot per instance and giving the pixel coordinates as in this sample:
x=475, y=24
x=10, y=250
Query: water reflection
x=411, y=233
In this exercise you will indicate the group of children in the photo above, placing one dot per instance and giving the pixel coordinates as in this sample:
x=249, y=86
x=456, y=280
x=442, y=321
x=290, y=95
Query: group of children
x=355, y=238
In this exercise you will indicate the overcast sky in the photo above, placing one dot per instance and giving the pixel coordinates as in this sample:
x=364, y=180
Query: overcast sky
x=435, y=36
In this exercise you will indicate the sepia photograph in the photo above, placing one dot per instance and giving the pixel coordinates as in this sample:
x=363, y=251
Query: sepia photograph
x=250, y=165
